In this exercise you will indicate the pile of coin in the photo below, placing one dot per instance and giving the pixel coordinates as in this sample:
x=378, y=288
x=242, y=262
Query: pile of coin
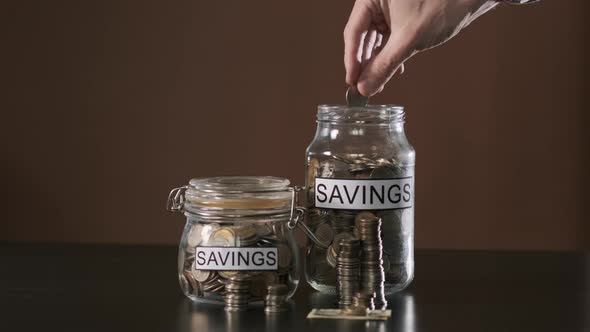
x=237, y=292
x=372, y=272
x=276, y=297
x=230, y=286
x=343, y=220
x=348, y=270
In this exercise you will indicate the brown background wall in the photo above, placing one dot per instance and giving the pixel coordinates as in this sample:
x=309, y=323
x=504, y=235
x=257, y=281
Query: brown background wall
x=109, y=104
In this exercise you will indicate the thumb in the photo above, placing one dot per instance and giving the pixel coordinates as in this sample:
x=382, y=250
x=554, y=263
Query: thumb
x=381, y=68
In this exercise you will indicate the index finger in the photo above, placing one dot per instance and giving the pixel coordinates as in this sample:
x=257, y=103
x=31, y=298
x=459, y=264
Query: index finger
x=354, y=34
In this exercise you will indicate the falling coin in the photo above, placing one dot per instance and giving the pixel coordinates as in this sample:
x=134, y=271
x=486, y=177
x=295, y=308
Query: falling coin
x=354, y=98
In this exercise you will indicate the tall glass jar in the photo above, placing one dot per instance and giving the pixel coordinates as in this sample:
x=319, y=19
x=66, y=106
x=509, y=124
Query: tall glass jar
x=360, y=185
x=236, y=236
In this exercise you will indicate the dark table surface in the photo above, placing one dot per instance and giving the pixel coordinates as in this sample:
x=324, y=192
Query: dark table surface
x=134, y=288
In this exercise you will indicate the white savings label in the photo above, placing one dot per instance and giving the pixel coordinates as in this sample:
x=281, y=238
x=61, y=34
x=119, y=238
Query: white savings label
x=370, y=194
x=236, y=258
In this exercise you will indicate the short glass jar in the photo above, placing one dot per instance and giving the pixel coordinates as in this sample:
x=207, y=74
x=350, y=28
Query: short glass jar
x=360, y=185
x=236, y=233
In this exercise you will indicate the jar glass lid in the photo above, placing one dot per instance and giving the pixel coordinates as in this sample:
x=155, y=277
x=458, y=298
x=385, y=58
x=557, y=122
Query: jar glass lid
x=238, y=195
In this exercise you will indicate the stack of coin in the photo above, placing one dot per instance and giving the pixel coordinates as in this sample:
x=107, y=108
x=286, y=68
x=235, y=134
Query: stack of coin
x=334, y=248
x=246, y=236
x=372, y=272
x=363, y=300
x=237, y=293
x=348, y=270
x=316, y=217
x=276, y=297
x=343, y=220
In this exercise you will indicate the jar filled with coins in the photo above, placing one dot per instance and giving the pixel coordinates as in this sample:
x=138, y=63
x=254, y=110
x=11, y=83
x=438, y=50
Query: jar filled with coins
x=237, y=247
x=360, y=200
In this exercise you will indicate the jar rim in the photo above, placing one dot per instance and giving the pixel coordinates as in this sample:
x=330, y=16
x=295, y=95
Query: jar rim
x=239, y=184
x=238, y=196
x=379, y=114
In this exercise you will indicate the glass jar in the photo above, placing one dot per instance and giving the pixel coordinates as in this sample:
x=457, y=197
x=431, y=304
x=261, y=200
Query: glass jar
x=236, y=232
x=360, y=185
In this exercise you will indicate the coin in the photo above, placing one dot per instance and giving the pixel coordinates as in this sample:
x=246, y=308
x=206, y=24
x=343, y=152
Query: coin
x=227, y=274
x=246, y=235
x=195, y=237
x=237, y=292
x=208, y=229
x=312, y=171
x=261, y=281
x=354, y=98
x=276, y=297
x=223, y=237
x=264, y=229
x=326, y=169
x=324, y=233
x=339, y=237
x=201, y=275
x=383, y=173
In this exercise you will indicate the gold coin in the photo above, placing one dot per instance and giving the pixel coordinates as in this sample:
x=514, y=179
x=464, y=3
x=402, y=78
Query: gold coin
x=223, y=237
x=331, y=256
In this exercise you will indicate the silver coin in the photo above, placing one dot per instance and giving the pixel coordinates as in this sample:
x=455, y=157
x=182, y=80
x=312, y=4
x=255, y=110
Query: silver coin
x=354, y=98
x=208, y=229
x=223, y=237
x=195, y=237
x=201, y=275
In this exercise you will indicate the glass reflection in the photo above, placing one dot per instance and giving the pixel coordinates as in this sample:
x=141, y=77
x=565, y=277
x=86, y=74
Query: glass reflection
x=196, y=317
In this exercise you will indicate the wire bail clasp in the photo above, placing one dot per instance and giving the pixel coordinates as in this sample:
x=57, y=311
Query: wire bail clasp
x=297, y=213
x=176, y=199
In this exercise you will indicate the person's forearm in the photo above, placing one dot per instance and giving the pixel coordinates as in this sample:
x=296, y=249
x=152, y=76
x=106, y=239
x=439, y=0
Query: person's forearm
x=518, y=2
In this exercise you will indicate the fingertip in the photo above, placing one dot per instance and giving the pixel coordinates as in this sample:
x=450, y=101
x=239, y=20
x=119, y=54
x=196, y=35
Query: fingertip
x=352, y=75
x=365, y=88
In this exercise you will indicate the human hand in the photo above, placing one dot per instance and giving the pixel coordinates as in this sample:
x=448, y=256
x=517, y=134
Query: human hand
x=381, y=34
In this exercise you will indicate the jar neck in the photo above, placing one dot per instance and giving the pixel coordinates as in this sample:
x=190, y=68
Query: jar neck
x=371, y=115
